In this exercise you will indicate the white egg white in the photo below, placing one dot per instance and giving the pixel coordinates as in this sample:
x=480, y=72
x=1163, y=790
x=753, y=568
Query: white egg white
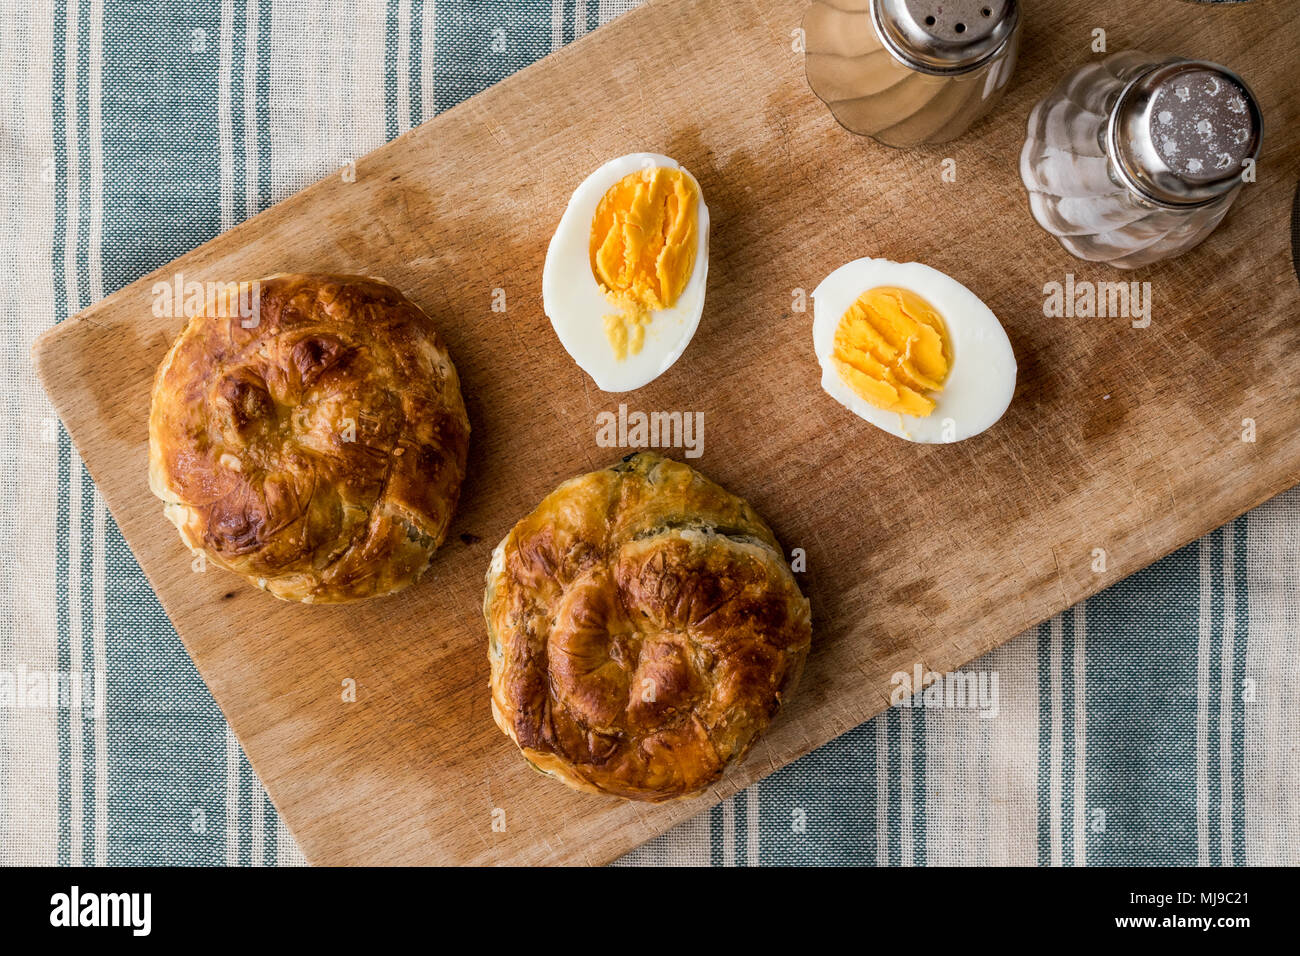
x=981, y=378
x=572, y=298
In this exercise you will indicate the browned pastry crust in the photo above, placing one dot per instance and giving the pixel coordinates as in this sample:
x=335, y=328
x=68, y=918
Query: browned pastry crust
x=643, y=629
x=319, y=453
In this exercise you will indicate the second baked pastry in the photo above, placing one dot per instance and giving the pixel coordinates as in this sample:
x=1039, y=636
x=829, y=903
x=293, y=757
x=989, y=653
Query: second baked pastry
x=643, y=630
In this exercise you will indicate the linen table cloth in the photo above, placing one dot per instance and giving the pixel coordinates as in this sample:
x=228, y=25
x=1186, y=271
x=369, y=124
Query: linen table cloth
x=1156, y=723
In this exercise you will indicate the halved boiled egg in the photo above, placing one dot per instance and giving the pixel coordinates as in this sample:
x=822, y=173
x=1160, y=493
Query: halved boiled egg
x=624, y=279
x=911, y=350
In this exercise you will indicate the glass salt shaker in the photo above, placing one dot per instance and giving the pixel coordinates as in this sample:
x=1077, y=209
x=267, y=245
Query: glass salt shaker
x=1137, y=158
x=907, y=72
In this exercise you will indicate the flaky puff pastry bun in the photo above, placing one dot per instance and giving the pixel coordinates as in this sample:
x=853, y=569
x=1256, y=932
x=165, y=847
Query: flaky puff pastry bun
x=318, y=453
x=643, y=630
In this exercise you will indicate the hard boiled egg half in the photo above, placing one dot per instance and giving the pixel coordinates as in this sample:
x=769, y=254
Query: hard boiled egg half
x=911, y=350
x=623, y=283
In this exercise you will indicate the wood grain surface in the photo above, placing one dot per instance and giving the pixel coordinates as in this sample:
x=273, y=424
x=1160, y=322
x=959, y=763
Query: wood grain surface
x=1124, y=439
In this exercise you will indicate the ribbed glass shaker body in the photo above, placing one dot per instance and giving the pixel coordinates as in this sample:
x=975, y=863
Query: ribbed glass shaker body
x=909, y=72
x=1096, y=210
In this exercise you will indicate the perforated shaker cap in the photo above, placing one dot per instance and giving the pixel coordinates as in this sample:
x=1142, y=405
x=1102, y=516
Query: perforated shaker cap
x=1180, y=132
x=945, y=36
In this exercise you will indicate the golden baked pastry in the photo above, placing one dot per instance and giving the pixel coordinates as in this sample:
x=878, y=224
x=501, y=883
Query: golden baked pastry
x=318, y=453
x=643, y=630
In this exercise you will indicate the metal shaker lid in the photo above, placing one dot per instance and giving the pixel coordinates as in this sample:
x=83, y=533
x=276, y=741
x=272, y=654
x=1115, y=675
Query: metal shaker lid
x=1178, y=133
x=945, y=36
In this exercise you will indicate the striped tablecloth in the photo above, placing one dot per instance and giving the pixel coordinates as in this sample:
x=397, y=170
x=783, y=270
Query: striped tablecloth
x=1157, y=723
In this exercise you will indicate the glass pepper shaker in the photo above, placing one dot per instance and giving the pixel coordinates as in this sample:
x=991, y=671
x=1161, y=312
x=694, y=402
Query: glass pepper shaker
x=1137, y=158
x=907, y=72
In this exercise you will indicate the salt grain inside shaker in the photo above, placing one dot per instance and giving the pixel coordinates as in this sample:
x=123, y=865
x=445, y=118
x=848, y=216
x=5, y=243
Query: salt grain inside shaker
x=908, y=72
x=1137, y=158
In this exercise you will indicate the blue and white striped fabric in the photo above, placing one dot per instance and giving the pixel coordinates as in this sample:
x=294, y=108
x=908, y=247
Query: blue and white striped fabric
x=1158, y=723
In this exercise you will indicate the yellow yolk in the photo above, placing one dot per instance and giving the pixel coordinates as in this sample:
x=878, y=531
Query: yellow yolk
x=891, y=348
x=643, y=241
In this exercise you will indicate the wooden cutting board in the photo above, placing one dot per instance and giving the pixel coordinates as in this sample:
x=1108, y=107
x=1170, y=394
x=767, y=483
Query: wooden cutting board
x=1122, y=439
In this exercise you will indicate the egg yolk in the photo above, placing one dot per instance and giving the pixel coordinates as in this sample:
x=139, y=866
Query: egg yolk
x=643, y=241
x=892, y=349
